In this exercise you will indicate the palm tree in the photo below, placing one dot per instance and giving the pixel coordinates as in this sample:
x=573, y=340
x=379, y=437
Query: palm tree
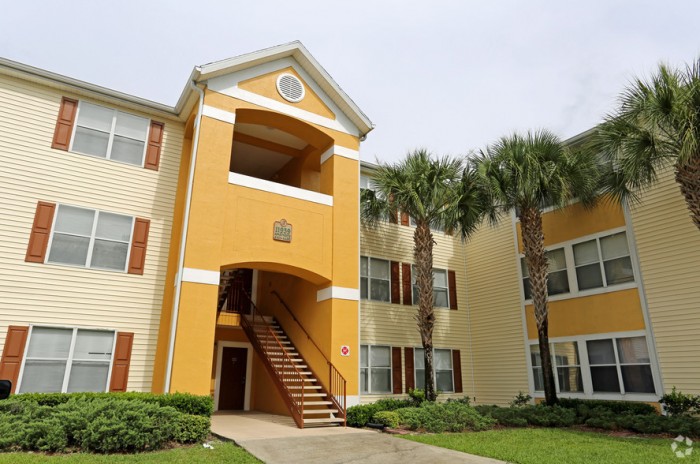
x=657, y=125
x=526, y=174
x=435, y=192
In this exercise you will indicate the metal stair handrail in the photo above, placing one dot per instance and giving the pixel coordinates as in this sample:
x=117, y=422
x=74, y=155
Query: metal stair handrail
x=337, y=385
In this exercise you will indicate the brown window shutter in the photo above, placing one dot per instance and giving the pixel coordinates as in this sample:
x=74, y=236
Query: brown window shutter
x=155, y=140
x=396, y=369
x=41, y=231
x=395, y=283
x=452, y=284
x=410, y=375
x=457, y=370
x=64, y=124
x=406, y=282
x=137, y=258
x=12, y=354
x=404, y=219
x=122, y=360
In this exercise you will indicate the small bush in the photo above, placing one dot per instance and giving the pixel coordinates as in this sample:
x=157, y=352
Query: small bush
x=521, y=399
x=539, y=415
x=464, y=400
x=386, y=418
x=103, y=424
x=509, y=417
x=617, y=407
x=360, y=415
x=444, y=417
x=417, y=396
x=392, y=404
x=678, y=403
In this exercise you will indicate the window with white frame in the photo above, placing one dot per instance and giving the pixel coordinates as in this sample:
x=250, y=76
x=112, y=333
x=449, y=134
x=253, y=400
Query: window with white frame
x=615, y=267
x=440, y=289
x=89, y=238
x=375, y=279
x=444, y=372
x=558, y=277
x=66, y=360
x=610, y=365
x=109, y=133
x=375, y=369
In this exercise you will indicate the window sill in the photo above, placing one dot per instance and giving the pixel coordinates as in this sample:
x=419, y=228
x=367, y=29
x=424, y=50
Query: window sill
x=75, y=266
x=639, y=397
x=585, y=293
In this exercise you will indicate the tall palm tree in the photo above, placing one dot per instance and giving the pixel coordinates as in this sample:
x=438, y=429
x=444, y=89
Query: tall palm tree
x=438, y=192
x=656, y=125
x=527, y=173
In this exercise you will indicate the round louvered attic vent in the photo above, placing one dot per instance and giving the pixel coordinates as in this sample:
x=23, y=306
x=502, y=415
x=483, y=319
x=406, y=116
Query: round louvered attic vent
x=290, y=87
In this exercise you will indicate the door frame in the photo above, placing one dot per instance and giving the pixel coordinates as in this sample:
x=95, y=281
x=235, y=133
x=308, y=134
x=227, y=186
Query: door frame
x=220, y=345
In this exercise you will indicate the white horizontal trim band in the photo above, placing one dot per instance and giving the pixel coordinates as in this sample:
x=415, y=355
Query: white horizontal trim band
x=221, y=115
x=340, y=151
x=201, y=276
x=339, y=293
x=280, y=189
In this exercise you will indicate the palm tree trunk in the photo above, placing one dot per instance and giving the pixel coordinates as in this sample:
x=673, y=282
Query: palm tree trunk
x=538, y=267
x=423, y=255
x=688, y=176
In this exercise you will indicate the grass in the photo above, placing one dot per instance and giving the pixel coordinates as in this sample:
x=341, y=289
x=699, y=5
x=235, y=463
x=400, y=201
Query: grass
x=222, y=452
x=545, y=446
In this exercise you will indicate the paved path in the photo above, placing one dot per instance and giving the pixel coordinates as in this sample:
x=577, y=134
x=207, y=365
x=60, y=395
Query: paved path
x=276, y=439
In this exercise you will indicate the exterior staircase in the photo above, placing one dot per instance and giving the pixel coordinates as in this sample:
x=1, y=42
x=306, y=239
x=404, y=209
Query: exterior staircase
x=307, y=399
x=311, y=399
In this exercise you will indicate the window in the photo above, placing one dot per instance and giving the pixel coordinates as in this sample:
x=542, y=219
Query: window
x=614, y=268
x=88, y=238
x=110, y=134
x=558, y=277
x=442, y=361
x=440, y=289
x=375, y=279
x=622, y=362
x=67, y=360
x=611, y=365
x=375, y=369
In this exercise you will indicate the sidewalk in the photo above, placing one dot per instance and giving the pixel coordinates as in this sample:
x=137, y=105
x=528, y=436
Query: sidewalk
x=276, y=440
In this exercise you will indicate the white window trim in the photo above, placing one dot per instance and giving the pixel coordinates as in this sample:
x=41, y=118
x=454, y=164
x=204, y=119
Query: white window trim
x=88, y=259
x=574, y=292
x=69, y=360
x=415, y=371
x=588, y=392
x=369, y=279
x=447, y=278
x=108, y=156
x=369, y=371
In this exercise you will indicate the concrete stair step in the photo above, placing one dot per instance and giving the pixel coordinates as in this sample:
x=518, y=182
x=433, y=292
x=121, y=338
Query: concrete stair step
x=325, y=420
x=306, y=387
x=314, y=395
x=317, y=403
x=313, y=412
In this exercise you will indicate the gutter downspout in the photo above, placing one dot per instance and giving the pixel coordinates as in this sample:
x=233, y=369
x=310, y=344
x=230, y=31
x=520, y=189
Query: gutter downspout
x=183, y=239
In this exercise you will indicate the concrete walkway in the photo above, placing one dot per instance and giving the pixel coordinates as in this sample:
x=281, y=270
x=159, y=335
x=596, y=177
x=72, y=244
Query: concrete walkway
x=276, y=439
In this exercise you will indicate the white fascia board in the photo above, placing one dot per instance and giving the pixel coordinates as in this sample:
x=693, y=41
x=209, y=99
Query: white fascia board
x=219, y=114
x=280, y=189
x=340, y=151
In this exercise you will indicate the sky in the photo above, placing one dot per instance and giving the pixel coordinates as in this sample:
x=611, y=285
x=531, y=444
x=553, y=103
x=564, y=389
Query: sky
x=449, y=76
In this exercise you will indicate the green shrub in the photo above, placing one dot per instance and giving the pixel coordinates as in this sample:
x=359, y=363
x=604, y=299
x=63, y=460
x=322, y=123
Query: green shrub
x=678, y=403
x=360, y=415
x=444, y=417
x=188, y=428
x=509, y=417
x=540, y=415
x=464, y=400
x=96, y=424
x=386, y=418
x=417, y=396
x=391, y=404
x=183, y=402
x=617, y=407
x=521, y=399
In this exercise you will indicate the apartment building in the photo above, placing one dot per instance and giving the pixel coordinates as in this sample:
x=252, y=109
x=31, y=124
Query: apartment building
x=215, y=247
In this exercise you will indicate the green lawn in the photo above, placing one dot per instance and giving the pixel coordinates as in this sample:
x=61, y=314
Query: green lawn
x=222, y=452
x=558, y=446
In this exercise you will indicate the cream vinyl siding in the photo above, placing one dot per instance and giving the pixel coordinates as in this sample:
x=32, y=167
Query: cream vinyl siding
x=668, y=246
x=30, y=170
x=498, y=338
x=394, y=325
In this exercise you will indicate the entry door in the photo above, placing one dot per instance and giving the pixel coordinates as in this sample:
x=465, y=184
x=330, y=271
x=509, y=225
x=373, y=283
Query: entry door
x=232, y=384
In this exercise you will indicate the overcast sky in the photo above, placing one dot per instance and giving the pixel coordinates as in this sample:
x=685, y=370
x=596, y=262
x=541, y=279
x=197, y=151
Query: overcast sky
x=449, y=76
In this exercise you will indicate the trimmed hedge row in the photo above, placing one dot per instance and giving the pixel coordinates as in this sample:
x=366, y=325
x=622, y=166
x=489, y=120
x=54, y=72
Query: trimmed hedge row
x=183, y=402
x=616, y=407
x=109, y=424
